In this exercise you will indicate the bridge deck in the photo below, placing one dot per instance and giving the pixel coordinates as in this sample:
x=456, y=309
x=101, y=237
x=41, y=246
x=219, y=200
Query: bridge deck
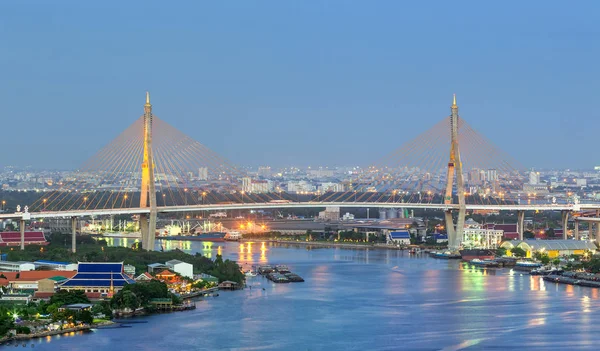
x=268, y=205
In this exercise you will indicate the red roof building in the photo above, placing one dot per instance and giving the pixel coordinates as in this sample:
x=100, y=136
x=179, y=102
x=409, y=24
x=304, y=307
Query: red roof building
x=14, y=238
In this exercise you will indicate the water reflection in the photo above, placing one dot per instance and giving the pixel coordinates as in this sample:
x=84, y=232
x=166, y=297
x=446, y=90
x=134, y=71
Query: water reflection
x=359, y=300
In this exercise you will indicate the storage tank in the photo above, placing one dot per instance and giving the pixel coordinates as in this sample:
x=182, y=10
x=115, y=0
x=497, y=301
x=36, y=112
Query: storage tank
x=382, y=214
x=392, y=213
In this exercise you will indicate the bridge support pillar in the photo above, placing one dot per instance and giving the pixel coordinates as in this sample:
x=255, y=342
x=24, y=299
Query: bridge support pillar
x=22, y=228
x=521, y=224
x=597, y=231
x=450, y=228
x=565, y=222
x=73, y=234
x=144, y=230
x=576, y=229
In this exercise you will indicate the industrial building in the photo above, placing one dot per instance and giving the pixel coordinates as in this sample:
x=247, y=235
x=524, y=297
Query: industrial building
x=554, y=248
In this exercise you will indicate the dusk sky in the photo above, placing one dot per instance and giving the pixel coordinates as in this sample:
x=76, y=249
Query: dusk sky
x=300, y=83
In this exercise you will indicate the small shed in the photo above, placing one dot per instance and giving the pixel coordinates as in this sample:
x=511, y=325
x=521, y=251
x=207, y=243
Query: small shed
x=228, y=285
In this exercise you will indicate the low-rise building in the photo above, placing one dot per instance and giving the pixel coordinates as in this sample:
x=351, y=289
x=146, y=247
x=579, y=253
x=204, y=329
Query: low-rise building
x=30, y=238
x=399, y=237
x=54, y=265
x=182, y=268
x=553, y=248
x=16, y=266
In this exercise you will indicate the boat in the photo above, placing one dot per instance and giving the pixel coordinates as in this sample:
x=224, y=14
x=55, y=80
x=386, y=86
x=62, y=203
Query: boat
x=265, y=269
x=233, y=236
x=546, y=271
x=250, y=274
x=277, y=278
x=484, y=263
x=281, y=268
x=526, y=265
x=210, y=236
x=444, y=255
x=481, y=254
x=506, y=261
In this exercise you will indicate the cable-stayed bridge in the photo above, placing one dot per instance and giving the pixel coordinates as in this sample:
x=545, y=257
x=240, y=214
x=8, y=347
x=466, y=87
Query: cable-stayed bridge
x=153, y=168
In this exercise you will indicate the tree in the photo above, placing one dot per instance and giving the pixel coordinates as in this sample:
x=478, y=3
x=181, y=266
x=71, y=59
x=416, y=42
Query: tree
x=519, y=252
x=528, y=234
x=64, y=297
x=500, y=251
x=85, y=316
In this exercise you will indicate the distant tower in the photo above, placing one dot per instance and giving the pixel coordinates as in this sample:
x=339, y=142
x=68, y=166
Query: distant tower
x=455, y=166
x=148, y=191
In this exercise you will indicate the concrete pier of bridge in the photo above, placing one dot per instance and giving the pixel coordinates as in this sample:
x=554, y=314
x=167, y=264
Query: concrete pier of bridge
x=22, y=228
x=73, y=234
x=565, y=222
x=521, y=224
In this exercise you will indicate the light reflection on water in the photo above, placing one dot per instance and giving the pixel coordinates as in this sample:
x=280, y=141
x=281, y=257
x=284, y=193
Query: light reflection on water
x=356, y=299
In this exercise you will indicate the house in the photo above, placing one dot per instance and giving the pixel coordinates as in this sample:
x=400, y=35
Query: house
x=228, y=285
x=182, y=268
x=399, y=237
x=167, y=276
x=129, y=270
x=144, y=277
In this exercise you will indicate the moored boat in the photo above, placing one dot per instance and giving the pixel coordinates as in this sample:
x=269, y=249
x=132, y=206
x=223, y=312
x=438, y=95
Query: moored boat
x=444, y=255
x=481, y=254
x=484, y=263
x=210, y=236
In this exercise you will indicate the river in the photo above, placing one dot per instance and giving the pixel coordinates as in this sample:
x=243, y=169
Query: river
x=359, y=299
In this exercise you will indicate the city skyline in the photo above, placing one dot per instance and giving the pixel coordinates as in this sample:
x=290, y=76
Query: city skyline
x=238, y=86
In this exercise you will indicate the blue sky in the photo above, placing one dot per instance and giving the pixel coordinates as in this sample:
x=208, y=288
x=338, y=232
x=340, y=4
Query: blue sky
x=300, y=82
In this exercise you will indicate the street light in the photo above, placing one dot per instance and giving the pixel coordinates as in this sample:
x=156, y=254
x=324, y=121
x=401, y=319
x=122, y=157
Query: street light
x=44, y=201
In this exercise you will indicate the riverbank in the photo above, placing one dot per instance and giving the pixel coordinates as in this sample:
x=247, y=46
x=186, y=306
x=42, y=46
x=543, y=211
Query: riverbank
x=342, y=245
x=18, y=338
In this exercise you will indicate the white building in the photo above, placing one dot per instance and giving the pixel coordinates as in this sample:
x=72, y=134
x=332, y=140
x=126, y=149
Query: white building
x=301, y=186
x=16, y=266
x=329, y=186
x=182, y=268
x=255, y=186
x=483, y=238
x=55, y=266
x=203, y=173
x=320, y=173
x=330, y=214
x=534, y=178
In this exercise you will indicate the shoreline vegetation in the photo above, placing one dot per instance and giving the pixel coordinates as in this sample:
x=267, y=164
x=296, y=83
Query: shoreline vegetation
x=20, y=321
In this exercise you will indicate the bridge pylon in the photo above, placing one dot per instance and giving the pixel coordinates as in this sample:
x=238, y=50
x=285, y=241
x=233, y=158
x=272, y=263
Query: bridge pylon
x=148, y=190
x=455, y=233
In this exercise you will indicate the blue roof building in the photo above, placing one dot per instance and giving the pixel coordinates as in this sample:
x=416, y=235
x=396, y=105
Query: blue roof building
x=98, y=277
x=400, y=237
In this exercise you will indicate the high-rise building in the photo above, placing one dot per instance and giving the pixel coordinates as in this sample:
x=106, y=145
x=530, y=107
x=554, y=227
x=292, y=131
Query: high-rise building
x=264, y=171
x=203, y=173
x=534, y=178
